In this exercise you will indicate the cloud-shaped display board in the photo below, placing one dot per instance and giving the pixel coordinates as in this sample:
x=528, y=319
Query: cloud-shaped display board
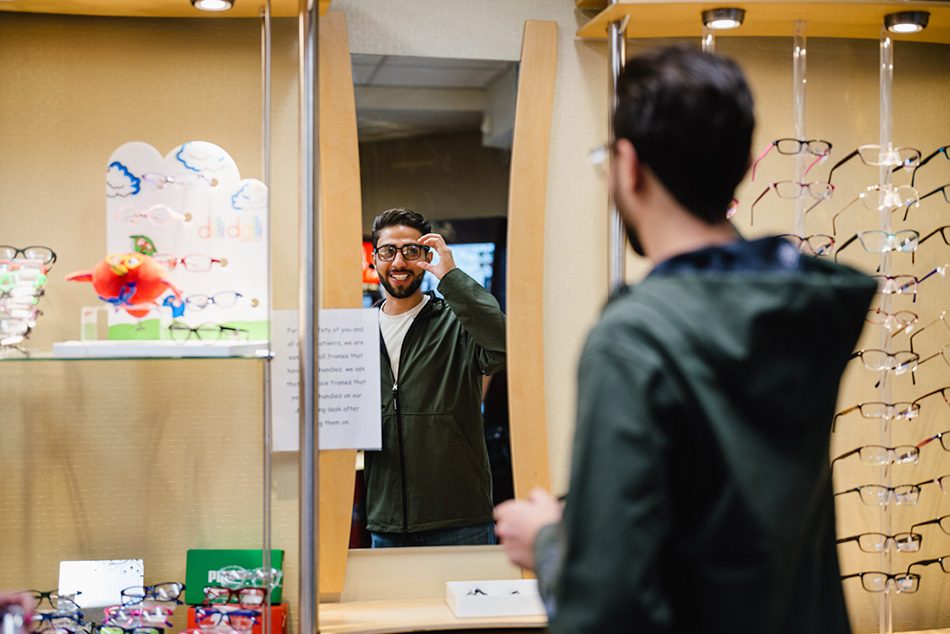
x=191, y=200
x=251, y=196
x=120, y=181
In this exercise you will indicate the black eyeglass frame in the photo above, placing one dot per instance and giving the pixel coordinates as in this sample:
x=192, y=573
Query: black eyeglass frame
x=401, y=249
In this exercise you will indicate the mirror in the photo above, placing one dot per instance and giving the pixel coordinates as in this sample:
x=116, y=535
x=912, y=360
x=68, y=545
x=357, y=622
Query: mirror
x=435, y=136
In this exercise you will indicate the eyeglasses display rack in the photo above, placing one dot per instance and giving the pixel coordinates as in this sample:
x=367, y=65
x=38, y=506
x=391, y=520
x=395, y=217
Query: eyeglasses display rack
x=869, y=194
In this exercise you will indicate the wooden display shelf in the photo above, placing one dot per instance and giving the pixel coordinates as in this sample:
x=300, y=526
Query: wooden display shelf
x=154, y=8
x=834, y=18
x=411, y=615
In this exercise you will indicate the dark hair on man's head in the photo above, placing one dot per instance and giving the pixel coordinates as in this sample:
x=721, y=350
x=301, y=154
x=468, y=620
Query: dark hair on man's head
x=400, y=216
x=689, y=115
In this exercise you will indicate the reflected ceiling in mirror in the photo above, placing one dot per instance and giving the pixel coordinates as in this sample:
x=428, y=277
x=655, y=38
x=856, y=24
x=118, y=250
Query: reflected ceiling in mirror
x=400, y=97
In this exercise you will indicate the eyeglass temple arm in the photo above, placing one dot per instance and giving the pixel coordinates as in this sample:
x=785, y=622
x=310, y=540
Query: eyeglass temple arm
x=840, y=163
x=923, y=161
x=821, y=158
x=834, y=218
x=762, y=156
x=845, y=455
x=924, y=562
x=843, y=246
x=752, y=208
x=834, y=421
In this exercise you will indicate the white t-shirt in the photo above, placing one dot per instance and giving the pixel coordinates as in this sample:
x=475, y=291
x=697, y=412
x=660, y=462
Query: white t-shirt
x=394, y=329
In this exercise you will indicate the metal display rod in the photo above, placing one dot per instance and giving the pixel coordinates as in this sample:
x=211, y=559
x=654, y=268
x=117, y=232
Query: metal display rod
x=886, y=615
x=308, y=81
x=799, y=57
x=267, y=444
x=617, y=52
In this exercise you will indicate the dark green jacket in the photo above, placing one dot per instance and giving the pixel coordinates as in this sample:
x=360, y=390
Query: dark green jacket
x=432, y=471
x=701, y=497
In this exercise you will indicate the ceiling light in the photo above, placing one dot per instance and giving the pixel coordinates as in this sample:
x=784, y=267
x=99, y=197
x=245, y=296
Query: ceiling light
x=723, y=18
x=906, y=21
x=213, y=5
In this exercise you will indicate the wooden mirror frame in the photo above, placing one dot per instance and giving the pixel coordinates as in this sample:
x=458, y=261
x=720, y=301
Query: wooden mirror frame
x=340, y=195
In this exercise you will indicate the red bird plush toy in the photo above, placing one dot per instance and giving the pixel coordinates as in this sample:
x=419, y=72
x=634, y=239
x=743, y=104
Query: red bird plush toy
x=127, y=280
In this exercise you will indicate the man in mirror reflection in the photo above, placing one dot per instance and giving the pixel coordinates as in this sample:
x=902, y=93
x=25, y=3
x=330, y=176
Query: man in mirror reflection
x=700, y=493
x=431, y=484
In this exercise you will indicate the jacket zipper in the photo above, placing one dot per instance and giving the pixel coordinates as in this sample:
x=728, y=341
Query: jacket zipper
x=402, y=462
x=399, y=430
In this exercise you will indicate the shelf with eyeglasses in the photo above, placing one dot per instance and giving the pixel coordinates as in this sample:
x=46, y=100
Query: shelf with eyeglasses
x=898, y=199
x=235, y=607
x=836, y=18
x=24, y=272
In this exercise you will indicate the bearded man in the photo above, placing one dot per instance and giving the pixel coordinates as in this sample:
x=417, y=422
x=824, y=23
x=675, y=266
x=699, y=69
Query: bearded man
x=430, y=484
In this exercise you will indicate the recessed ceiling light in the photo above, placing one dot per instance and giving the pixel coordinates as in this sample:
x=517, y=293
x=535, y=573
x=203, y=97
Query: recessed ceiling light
x=723, y=18
x=213, y=5
x=906, y=21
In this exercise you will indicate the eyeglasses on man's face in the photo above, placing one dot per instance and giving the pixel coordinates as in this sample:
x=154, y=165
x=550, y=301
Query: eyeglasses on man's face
x=879, y=542
x=411, y=251
x=906, y=582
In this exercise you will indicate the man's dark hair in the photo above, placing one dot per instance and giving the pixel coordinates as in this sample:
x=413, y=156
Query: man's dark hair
x=689, y=115
x=400, y=216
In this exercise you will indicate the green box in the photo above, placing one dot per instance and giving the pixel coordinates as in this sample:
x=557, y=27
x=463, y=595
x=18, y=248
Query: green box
x=202, y=564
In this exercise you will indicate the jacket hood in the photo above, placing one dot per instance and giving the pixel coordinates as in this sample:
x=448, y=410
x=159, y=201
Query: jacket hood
x=792, y=322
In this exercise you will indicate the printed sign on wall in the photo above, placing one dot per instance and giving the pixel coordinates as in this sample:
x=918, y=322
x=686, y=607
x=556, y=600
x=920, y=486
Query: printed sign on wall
x=348, y=403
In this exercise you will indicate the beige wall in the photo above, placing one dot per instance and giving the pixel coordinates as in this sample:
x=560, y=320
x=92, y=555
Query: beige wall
x=73, y=89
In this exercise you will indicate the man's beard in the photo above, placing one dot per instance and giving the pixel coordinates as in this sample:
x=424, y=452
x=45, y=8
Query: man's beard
x=403, y=291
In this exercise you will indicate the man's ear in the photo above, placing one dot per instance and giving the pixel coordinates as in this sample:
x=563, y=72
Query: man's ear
x=627, y=165
x=429, y=256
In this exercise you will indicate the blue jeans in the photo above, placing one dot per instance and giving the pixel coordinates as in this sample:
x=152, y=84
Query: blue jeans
x=461, y=536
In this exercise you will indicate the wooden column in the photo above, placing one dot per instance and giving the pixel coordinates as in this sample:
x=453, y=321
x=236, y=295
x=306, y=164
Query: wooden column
x=526, y=209
x=340, y=258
